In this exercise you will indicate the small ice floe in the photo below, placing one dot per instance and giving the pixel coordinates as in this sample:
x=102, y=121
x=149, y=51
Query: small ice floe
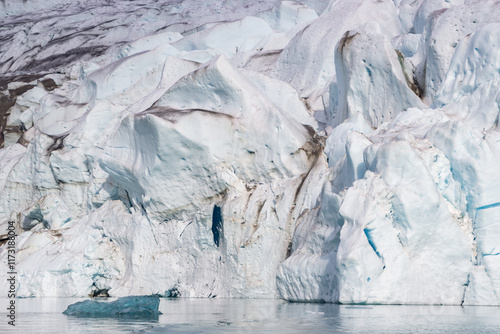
x=131, y=306
x=359, y=307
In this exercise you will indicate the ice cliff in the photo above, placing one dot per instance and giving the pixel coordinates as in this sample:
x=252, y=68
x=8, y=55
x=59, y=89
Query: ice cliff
x=344, y=151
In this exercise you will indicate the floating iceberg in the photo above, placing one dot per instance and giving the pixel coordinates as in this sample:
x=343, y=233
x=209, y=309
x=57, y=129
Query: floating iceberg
x=131, y=306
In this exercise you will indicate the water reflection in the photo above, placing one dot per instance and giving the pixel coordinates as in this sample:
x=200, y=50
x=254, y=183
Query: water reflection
x=258, y=316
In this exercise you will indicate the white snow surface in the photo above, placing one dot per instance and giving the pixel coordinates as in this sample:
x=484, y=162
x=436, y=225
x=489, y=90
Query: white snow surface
x=342, y=151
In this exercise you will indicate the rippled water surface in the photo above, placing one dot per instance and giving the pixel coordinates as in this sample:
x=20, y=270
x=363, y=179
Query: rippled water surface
x=44, y=315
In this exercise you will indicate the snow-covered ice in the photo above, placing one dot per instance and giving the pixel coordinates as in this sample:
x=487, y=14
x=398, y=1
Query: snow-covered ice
x=343, y=151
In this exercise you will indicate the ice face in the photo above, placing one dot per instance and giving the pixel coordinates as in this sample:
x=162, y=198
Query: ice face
x=343, y=152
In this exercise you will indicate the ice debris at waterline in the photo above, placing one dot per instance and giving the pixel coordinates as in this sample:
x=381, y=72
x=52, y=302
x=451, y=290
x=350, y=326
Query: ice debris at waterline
x=131, y=306
x=343, y=151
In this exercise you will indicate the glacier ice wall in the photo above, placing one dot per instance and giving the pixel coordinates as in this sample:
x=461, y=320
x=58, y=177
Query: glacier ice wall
x=341, y=151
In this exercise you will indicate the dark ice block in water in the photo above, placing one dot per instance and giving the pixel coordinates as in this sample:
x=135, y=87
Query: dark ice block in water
x=131, y=306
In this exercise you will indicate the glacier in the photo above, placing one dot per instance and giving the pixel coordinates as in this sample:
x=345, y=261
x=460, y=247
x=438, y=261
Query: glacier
x=342, y=151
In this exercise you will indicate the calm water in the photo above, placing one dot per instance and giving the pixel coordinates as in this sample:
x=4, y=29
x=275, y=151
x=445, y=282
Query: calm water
x=44, y=315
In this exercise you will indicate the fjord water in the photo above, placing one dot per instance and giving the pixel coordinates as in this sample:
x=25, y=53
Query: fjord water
x=44, y=315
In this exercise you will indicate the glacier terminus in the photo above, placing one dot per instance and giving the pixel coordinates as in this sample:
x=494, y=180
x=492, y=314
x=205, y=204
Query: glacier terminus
x=343, y=151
